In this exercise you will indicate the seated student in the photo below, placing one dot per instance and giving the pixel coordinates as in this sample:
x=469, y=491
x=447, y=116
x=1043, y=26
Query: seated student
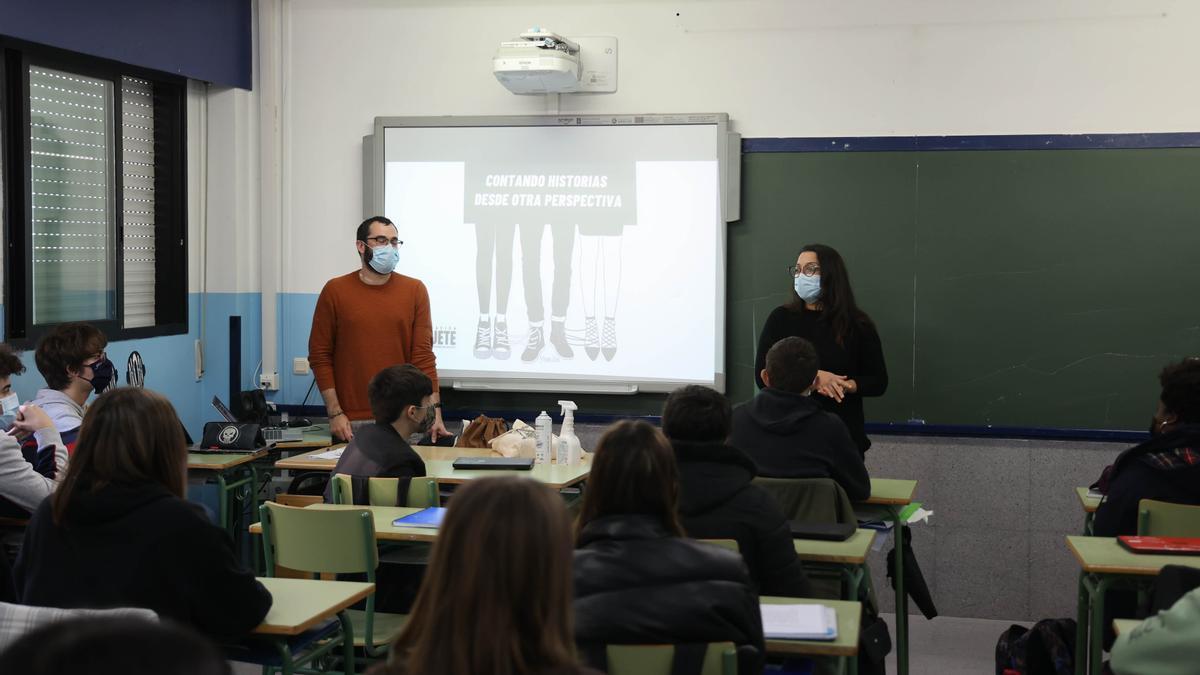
x=497, y=598
x=1167, y=643
x=71, y=358
x=113, y=646
x=118, y=533
x=786, y=432
x=400, y=402
x=1166, y=467
x=637, y=579
x=717, y=498
x=22, y=488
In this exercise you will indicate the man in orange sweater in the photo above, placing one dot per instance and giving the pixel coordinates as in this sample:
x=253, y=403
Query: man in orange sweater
x=366, y=321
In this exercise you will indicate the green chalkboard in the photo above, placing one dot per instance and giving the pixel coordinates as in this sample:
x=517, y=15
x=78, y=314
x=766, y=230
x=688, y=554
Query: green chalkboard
x=1028, y=288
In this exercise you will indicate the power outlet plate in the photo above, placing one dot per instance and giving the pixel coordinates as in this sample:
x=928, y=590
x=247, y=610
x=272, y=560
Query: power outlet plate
x=269, y=381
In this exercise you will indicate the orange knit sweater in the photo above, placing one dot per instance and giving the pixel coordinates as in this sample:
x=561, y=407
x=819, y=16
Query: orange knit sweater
x=359, y=329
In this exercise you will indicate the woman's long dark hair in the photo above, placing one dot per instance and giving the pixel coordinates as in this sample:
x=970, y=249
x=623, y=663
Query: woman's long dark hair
x=497, y=596
x=129, y=435
x=837, y=297
x=633, y=473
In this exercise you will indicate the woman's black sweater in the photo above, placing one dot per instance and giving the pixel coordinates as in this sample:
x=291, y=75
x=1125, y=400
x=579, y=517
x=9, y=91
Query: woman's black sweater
x=859, y=357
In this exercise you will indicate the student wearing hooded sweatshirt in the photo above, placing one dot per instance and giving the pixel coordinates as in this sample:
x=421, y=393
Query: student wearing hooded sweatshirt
x=717, y=499
x=118, y=532
x=788, y=434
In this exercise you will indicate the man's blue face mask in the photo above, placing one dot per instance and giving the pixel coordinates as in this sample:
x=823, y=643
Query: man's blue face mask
x=9, y=404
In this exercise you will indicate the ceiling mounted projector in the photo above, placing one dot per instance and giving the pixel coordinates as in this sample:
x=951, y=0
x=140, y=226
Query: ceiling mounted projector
x=542, y=62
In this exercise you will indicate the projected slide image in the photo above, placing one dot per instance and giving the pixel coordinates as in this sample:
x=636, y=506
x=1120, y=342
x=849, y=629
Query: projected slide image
x=564, y=268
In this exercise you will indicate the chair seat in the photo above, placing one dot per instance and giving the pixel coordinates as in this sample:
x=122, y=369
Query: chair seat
x=386, y=627
x=263, y=651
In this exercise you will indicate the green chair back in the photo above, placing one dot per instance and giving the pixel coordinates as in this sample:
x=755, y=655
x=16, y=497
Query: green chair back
x=730, y=544
x=720, y=659
x=338, y=541
x=809, y=500
x=422, y=491
x=1165, y=519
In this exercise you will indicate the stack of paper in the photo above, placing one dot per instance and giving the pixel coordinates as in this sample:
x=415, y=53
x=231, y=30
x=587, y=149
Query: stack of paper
x=335, y=453
x=799, y=622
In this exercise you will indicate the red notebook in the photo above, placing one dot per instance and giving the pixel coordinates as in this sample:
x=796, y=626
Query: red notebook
x=1161, y=545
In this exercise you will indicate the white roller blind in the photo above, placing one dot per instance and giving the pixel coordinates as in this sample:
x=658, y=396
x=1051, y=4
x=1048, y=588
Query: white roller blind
x=71, y=169
x=137, y=247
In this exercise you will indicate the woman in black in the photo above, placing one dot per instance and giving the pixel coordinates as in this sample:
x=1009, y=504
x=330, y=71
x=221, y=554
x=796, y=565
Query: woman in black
x=823, y=312
x=637, y=579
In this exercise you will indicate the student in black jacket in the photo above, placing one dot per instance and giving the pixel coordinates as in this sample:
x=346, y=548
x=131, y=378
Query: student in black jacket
x=118, y=532
x=788, y=434
x=717, y=498
x=401, y=402
x=637, y=579
x=1166, y=467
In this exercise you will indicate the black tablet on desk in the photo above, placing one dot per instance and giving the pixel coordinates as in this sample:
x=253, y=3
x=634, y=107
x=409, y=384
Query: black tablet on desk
x=496, y=463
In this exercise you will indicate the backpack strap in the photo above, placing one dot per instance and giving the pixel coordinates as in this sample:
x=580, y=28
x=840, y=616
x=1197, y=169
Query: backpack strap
x=403, y=484
x=689, y=659
x=361, y=493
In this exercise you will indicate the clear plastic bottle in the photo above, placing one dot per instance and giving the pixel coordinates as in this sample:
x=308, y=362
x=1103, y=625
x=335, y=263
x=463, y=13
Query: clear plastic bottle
x=543, y=428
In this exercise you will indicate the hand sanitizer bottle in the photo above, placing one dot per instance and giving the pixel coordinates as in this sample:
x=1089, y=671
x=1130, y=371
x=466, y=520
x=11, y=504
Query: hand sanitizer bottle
x=569, y=448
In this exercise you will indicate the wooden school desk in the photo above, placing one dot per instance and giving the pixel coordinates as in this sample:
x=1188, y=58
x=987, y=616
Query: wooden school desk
x=1090, y=505
x=849, y=557
x=232, y=472
x=893, y=495
x=1103, y=563
x=383, y=516
x=302, y=604
x=555, y=475
x=316, y=436
x=844, y=648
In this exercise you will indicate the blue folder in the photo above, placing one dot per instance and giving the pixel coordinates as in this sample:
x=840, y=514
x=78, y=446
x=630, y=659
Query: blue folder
x=430, y=517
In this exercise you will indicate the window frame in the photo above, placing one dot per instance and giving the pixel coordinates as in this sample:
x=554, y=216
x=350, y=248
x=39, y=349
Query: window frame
x=170, y=190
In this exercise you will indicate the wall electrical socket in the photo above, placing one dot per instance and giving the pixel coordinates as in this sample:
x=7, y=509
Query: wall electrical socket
x=269, y=381
x=300, y=366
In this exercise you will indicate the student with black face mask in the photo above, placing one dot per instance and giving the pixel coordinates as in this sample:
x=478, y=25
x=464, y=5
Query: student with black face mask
x=72, y=360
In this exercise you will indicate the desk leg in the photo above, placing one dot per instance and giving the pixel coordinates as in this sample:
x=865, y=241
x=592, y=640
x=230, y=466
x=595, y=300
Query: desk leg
x=1087, y=523
x=222, y=500
x=255, y=546
x=1082, y=604
x=1096, y=651
x=347, y=642
x=901, y=595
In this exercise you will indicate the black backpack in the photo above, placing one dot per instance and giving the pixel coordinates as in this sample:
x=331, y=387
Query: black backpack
x=1046, y=649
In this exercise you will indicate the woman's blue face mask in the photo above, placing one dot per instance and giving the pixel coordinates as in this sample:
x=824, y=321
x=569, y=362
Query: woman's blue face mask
x=808, y=288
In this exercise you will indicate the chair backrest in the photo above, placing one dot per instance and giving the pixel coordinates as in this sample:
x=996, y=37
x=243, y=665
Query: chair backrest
x=16, y=620
x=422, y=492
x=730, y=544
x=719, y=659
x=809, y=500
x=340, y=541
x=1165, y=519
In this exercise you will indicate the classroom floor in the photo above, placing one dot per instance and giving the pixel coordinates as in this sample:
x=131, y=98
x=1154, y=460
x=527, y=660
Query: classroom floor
x=943, y=646
x=949, y=645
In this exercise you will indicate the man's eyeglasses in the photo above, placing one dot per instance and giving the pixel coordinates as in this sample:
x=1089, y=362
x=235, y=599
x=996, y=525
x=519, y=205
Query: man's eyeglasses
x=383, y=241
x=809, y=270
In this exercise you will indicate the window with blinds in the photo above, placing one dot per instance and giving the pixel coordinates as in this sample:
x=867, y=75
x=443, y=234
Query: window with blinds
x=71, y=160
x=95, y=187
x=137, y=174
